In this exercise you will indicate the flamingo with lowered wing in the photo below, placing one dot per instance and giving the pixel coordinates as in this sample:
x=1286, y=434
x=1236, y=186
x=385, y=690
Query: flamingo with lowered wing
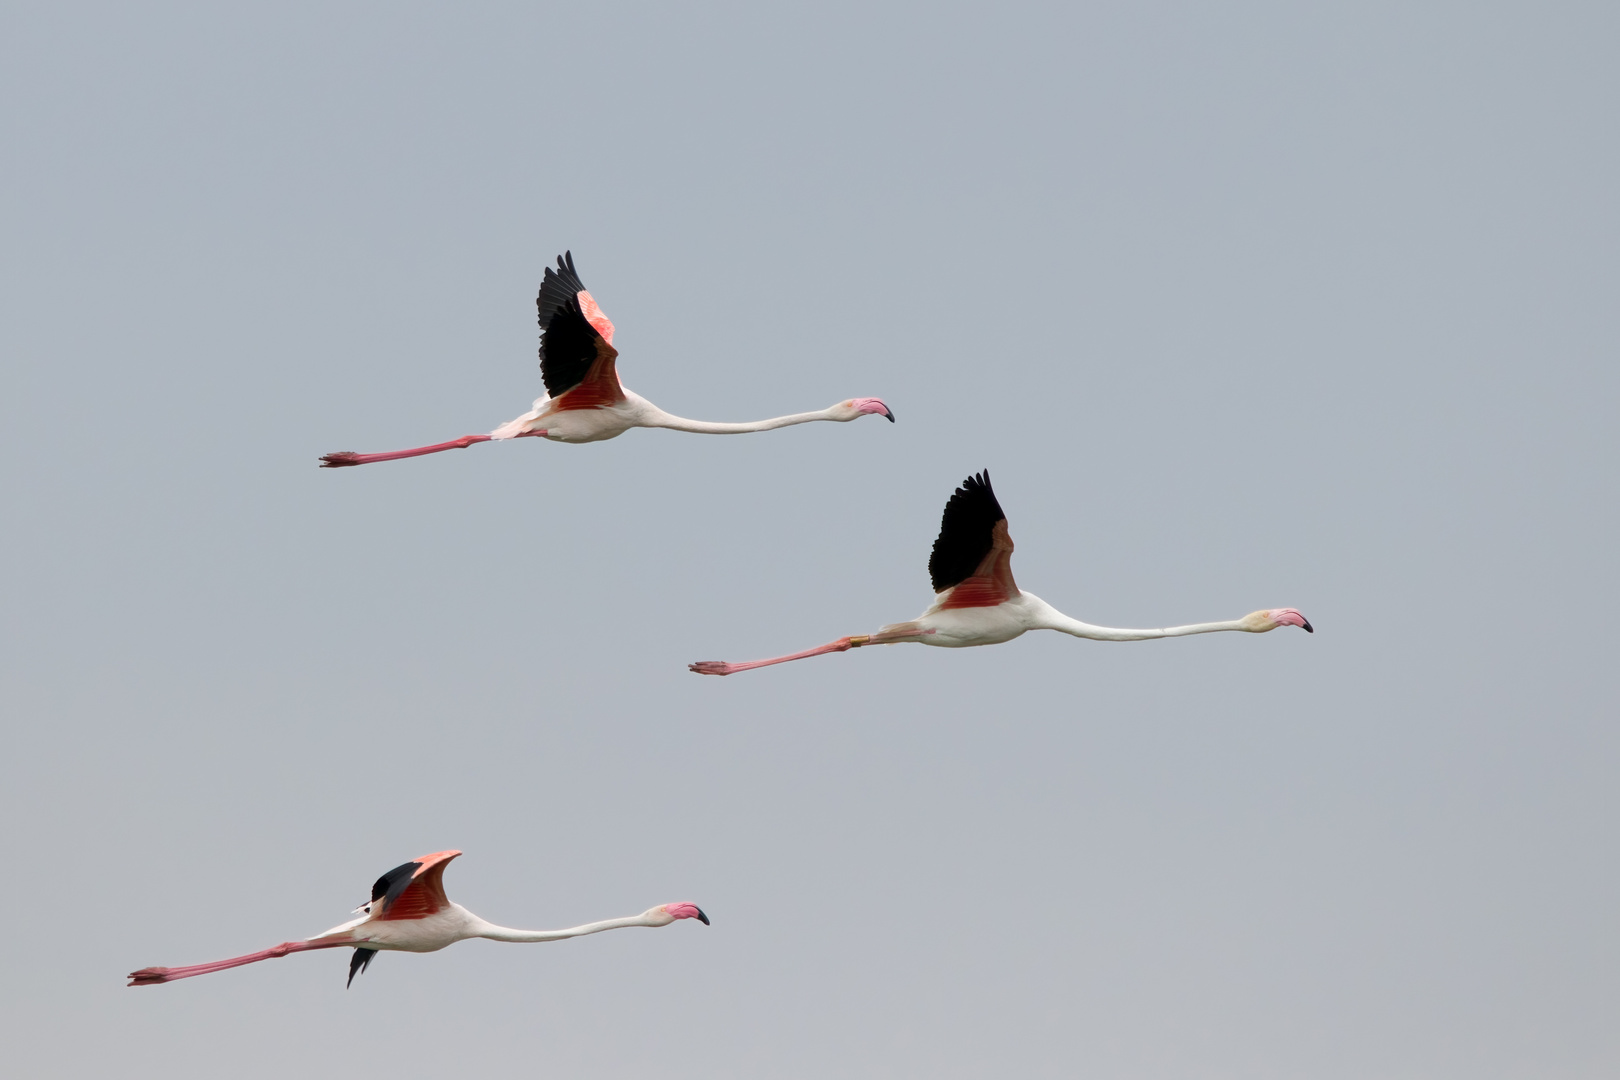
x=409, y=912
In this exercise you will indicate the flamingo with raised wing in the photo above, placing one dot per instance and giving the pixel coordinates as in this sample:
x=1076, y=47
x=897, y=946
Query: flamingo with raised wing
x=409, y=912
x=584, y=400
x=977, y=603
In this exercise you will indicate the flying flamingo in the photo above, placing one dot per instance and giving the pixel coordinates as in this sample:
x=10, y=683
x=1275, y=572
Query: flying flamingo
x=977, y=603
x=584, y=401
x=409, y=912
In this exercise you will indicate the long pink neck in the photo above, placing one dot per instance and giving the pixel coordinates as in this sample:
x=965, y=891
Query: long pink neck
x=153, y=975
x=349, y=457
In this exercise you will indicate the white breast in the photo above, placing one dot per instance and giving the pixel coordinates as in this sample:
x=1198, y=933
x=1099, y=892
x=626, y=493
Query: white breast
x=961, y=628
x=455, y=923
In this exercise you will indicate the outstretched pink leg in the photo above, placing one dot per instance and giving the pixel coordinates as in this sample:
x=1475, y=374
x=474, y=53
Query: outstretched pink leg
x=843, y=644
x=349, y=457
x=153, y=975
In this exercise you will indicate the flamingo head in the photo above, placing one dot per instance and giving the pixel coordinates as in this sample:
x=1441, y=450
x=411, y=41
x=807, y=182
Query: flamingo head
x=664, y=914
x=855, y=408
x=1261, y=621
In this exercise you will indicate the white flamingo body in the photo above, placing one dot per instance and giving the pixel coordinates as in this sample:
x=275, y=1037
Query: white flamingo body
x=409, y=912
x=548, y=421
x=976, y=601
x=584, y=401
x=443, y=928
x=961, y=628
x=574, y=425
x=455, y=923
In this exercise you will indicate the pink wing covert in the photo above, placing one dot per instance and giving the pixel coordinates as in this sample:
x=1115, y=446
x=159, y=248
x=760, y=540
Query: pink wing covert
x=593, y=315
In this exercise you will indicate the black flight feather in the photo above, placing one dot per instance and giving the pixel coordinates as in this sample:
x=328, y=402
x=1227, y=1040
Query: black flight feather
x=361, y=960
x=558, y=288
x=964, y=532
x=568, y=342
x=390, y=885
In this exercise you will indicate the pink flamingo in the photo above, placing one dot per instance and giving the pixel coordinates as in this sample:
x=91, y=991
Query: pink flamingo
x=409, y=912
x=977, y=603
x=584, y=401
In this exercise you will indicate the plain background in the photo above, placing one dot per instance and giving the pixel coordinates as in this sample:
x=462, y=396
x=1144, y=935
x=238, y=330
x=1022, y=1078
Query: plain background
x=1243, y=305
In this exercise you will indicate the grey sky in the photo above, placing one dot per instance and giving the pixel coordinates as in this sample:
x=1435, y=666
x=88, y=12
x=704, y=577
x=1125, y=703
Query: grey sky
x=1242, y=305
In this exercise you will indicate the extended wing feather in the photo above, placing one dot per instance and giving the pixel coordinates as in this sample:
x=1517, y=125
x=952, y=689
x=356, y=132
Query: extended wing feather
x=412, y=890
x=361, y=960
x=576, y=341
x=973, y=554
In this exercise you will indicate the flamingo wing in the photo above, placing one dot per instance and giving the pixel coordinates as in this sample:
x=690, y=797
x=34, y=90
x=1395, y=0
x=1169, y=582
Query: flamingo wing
x=576, y=342
x=973, y=555
x=412, y=890
x=358, y=963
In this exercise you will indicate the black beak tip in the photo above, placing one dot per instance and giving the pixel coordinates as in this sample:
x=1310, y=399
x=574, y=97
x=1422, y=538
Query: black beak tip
x=702, y=918
x=1308, y=628
x=889, y=413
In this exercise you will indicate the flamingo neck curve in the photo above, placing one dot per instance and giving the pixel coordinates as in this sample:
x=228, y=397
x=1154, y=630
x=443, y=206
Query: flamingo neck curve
x=1046, y=617
x=505, y=933
x=658, y=418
